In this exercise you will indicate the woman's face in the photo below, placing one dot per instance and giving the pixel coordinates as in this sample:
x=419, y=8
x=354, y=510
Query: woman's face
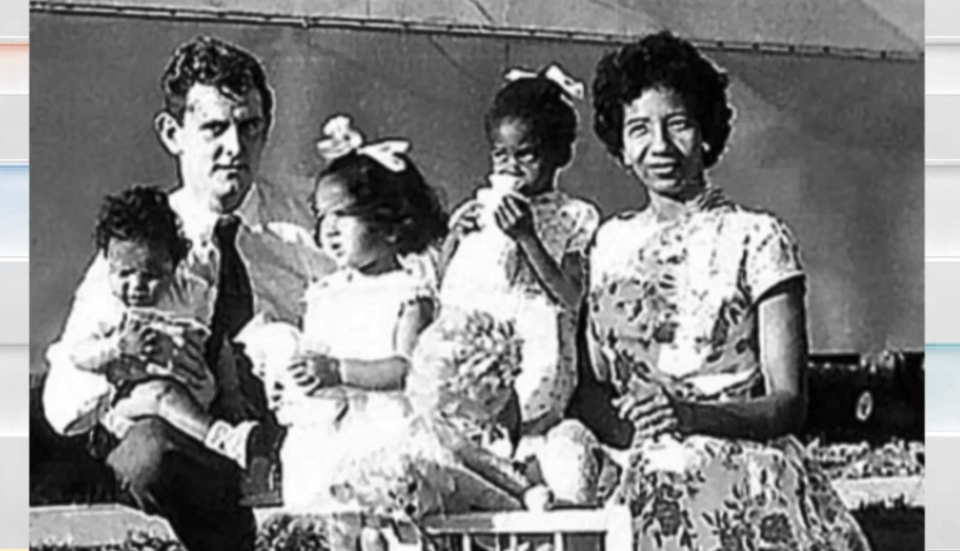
x=514, y=152
x=662, y=143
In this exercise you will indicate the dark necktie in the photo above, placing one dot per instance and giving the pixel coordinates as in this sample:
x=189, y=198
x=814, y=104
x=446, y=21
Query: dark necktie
x=234, y=304
x=235, y=297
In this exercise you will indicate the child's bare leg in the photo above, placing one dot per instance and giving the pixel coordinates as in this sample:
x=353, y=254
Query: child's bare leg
x=170, y=400
x=569, y=463
x=174, y=404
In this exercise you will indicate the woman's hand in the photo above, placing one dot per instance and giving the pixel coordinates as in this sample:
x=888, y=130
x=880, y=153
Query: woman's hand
x=189, y=360
x=652, y=415
x=315, y=371
x=515, y=218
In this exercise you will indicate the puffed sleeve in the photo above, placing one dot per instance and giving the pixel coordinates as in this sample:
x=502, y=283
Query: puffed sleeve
x=772, y=255
x=586, y=221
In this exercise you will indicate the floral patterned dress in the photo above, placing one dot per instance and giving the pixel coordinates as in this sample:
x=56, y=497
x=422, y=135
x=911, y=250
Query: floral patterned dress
x=507, y=287
x=673, y=303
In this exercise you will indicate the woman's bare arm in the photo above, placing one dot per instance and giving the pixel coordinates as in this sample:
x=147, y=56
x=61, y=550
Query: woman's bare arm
x=783, y=357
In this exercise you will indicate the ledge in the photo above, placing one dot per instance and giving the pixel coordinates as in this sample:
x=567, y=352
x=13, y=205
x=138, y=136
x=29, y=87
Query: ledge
x=89, y=525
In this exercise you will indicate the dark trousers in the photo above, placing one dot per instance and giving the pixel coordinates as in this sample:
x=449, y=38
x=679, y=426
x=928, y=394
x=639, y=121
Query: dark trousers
x=169, y=474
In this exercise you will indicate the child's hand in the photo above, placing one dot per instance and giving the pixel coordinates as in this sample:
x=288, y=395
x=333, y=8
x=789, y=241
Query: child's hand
x=467, y=219
x=515, y=217
x=315, y=371
x=139, y=341
x=127, y=369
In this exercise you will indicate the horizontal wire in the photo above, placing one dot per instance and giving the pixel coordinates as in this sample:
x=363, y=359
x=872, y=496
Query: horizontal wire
x=456, y=29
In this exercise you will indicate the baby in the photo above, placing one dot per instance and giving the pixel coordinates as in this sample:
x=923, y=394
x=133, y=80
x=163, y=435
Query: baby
x=140, y=353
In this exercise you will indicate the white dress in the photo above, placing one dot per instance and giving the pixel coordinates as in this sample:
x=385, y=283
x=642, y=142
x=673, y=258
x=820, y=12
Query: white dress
x=482, y=277
x=337, y=431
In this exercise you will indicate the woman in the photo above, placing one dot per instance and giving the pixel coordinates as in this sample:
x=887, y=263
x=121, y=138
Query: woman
x=696, y=317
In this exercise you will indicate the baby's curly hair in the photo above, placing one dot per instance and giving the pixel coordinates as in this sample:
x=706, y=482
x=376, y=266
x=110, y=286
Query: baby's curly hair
x=141, y=214
x=664, y=61
x=400, y=204
x=540, y=103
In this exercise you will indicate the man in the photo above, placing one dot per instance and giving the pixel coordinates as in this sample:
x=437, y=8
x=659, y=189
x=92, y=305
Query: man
x=215, y=122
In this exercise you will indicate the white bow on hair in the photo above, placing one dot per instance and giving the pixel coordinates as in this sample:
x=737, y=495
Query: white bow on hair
x=572, y=88
x=343, y=138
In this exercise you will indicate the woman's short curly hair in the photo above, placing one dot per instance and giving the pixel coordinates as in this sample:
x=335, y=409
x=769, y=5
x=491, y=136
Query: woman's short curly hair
x=540, y=103
x=667, y=62
x=141, y=214
x=400, y=204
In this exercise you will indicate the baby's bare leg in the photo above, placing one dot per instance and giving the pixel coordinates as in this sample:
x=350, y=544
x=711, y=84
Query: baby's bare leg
x=172, y=402
x=569, y=463
x=169, y=400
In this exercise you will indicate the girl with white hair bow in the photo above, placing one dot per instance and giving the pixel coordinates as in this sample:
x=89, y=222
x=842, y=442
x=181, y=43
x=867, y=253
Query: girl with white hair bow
x=517, y=251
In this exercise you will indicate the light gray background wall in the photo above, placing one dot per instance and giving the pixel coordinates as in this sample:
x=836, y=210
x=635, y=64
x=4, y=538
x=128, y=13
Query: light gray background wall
x=834, y=146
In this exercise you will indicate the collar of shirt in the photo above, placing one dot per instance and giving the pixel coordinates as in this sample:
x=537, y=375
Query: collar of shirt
x=197, y=220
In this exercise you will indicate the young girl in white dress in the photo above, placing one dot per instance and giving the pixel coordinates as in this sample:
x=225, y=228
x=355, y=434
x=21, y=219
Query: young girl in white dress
x=517, y=252
x=361, y=321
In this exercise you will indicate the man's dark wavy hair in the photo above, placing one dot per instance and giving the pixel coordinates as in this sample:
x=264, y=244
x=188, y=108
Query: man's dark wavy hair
x=213, y=62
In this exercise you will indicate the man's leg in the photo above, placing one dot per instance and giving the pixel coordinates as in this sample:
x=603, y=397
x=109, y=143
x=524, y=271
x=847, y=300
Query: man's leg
x=197, y=491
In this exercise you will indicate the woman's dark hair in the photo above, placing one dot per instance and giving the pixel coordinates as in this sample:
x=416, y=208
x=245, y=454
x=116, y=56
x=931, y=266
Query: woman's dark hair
x=667, y=62
x=540, y=103
x=141, y=214
x=400, y=204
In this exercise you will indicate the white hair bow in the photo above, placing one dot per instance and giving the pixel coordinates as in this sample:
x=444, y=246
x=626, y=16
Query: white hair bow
x=572, y=88
x=343, y=138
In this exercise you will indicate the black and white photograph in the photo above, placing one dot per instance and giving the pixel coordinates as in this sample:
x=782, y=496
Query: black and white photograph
x=520, y=275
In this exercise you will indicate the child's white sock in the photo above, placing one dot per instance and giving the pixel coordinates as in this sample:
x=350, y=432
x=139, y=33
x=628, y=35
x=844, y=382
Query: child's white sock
x=230, y=440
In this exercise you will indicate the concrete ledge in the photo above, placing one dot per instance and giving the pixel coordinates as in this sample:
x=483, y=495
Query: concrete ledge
x=88, y=525
x=871, y=491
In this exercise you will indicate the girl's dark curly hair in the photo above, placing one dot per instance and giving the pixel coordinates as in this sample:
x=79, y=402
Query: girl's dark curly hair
x=400, y=204
x=540, y=103
x=141, y=214
x=663, y=61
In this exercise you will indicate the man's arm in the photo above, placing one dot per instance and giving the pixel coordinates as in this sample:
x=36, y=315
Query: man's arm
x=60, y=395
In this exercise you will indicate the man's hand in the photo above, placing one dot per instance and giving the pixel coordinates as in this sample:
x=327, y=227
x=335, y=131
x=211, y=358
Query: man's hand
x=189, y=360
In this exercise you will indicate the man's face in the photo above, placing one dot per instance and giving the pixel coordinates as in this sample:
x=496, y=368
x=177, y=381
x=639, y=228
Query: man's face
x=217, y=145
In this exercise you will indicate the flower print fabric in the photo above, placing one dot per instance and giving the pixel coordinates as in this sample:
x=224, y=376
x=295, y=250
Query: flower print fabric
x=674, y=303
x=565, y=225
